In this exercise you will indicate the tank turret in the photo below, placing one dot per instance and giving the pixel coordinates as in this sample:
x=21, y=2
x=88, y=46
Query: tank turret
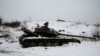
x=45, y=31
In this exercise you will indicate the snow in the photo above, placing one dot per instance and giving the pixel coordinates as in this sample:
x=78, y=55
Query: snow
x=86, y=48
x=72, y=49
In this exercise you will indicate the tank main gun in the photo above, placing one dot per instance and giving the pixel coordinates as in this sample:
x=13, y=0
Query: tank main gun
x=44, y=31
x=77, y=36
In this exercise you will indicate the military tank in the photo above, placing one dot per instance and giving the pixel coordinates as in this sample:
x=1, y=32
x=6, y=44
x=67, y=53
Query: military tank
x=44, y=36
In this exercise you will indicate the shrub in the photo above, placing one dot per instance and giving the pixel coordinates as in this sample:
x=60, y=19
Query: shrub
x=12, y=24
x=60, y=20
x=96, y=32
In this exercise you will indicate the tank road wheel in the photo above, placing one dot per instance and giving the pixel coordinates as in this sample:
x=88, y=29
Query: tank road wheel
x=56, y=44
x=61, y=43
x=33, y=44
x=40, y=44
x=49, y=44
x=25, y=44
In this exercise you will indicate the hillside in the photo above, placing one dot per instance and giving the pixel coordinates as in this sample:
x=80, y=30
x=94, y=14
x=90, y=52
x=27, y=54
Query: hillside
x=9, y=46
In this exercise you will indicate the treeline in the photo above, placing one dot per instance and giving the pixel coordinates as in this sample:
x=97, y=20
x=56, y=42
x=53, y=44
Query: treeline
x=13, y=24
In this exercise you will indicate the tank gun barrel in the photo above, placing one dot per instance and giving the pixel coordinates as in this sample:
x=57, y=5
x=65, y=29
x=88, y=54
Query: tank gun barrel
x=76, y=36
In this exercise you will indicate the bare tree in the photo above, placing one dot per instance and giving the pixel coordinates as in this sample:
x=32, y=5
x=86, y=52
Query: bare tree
x=0, y=20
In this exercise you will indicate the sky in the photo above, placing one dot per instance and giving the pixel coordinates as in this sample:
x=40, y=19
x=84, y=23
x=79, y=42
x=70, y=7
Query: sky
x=70, y=10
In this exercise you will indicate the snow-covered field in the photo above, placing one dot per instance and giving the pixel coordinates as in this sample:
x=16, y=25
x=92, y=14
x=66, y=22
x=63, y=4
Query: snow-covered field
x=11, y=47
x=72, y=49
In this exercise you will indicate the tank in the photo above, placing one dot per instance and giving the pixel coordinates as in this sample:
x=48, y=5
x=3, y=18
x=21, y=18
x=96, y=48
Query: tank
x=42, y=38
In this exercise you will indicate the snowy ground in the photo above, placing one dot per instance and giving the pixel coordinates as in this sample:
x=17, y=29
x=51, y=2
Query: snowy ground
x=11, y=47
x=72, y=49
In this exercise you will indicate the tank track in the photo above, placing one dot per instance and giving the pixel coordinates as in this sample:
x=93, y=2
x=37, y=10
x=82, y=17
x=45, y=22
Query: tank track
x=25, y=42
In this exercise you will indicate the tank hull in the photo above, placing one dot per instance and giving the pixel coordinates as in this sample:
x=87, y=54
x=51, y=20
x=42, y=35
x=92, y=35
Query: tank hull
x=46, y=42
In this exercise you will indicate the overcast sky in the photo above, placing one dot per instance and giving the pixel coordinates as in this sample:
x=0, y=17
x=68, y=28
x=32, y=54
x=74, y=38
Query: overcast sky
x=77, y=10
